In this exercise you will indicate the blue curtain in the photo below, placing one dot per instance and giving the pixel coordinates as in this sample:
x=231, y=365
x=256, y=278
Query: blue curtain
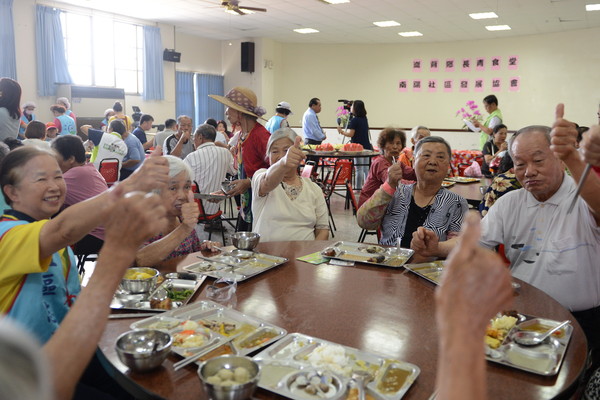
x=205, y=106
x=184, y=93
x=154, y=85
x=8, y=61
x=51, y=59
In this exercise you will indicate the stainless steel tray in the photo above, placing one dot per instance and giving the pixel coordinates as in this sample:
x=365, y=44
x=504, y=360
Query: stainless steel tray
x=246, y=269
x=212, y=318
x=544, y=359
x=125, y=301
x=394, y=257
x=431, y=271
x=296, y=352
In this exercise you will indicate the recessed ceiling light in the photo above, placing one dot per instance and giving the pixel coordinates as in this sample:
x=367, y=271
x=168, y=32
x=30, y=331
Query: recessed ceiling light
x=306, y=30
x=497, y=28
x=385, y=24
x=483, y=15
x=410, y=34
x=336, y=1
x=592, y=7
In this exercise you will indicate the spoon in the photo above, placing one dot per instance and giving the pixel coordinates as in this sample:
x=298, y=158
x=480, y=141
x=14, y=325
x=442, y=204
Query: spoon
x=530, y=338
x=361, y=378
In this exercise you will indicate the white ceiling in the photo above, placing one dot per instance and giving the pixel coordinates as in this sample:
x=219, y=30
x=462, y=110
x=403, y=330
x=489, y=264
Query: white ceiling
x=437, y=20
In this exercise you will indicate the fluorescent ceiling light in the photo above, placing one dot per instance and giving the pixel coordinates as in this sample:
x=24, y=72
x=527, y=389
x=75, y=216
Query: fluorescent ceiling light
x=385, y=24
x=306, y=30
x=592, y=7
x=410, y=34
x=227, y=10
x=483, y=15
x=497, y=28
x=336, y=1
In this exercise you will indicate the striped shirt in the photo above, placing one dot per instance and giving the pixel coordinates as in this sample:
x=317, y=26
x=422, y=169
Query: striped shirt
x=210, y=165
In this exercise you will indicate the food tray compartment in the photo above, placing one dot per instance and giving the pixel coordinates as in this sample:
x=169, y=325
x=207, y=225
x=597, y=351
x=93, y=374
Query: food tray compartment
x=220, y=322
x=462, y=179
x=393, y=257
x=125, y=301
x=247, y=268
x=431, y=271
x=544, y=359
x=301, y=353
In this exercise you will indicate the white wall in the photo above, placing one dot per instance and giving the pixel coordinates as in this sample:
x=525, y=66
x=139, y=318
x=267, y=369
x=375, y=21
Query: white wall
x=560, y=67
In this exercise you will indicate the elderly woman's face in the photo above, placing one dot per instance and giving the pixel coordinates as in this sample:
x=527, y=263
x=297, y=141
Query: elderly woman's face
x=392, y=148
x=279, y=149
x=177, y=193
x=40, y=191
x=421, y=133
x=432, y=162
x=500, y=136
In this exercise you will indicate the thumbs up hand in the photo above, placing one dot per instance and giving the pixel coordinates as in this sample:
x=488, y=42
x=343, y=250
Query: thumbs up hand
x=564, y=136
x=294, y=155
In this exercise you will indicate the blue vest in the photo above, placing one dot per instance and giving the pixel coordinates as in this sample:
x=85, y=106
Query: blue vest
x=23, y=122
x=45, y=298
x=68, y=125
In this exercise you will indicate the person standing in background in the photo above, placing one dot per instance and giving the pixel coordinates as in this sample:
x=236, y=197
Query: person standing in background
x=358, y=132
x=109, y=112
x=64, y=123
x=313, y=133
x=279, y=120
x=26, y=117
x=63, y=101
x=494, y=118
x=119, y=114
x=10, y=97
x=146, y=122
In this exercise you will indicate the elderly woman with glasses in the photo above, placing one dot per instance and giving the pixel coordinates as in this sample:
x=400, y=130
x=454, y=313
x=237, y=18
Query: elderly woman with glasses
x=400, y=209
x=285, y=205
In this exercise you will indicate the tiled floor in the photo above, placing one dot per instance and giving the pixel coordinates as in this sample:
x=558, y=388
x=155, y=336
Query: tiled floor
x=345, y=221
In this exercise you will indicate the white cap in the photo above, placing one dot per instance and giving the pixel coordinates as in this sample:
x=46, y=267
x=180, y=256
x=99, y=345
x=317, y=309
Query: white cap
x=286, y=105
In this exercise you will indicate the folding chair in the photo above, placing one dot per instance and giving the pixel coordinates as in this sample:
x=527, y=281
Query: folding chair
x=327, y=192
x=109, y=169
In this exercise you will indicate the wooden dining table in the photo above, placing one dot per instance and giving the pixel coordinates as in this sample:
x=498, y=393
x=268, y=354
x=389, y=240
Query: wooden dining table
x=472, y=192
x=388, y=311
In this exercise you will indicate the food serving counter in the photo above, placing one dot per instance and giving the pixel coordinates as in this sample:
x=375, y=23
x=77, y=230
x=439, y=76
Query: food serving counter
x=386, y=311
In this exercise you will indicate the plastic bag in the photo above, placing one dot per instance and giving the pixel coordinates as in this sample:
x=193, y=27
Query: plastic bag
x=473, y=170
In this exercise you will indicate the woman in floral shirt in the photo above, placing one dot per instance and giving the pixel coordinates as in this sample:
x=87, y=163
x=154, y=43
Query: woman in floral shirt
x=502, y=183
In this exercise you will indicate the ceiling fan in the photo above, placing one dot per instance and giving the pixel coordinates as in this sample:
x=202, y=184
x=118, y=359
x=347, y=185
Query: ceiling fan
x=234, y=5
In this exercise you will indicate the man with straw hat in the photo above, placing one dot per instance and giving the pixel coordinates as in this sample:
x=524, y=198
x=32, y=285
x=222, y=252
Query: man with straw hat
x=243, y=111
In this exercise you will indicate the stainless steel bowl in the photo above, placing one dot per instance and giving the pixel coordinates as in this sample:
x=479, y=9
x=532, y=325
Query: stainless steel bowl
x=143, y=350
x=134, y=286
x=233, y=392
x=245, y=240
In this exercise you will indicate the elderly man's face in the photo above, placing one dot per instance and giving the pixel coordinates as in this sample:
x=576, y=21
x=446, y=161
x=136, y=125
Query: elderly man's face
x=185, y=125
x=432, y=162
x=536, y=167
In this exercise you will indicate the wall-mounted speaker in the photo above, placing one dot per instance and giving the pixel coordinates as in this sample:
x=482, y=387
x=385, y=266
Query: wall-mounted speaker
x=247, y=56
x=171, y=55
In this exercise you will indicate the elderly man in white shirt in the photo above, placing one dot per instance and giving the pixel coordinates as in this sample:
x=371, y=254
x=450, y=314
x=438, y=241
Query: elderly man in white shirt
x=549, y=248
x=210, y=164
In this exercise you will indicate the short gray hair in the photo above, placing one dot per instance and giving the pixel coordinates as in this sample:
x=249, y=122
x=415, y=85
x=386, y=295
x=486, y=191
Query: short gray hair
x=433, y=139
x=177, y=166
x=527, y=130
x=281, y=133
x=207, y=131
x=414, y=131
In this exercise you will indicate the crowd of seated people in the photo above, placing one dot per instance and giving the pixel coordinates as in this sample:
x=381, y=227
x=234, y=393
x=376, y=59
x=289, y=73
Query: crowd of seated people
x=55, y=198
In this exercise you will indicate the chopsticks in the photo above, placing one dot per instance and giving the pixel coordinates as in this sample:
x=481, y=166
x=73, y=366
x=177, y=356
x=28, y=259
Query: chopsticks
x=586, y=172
x=180, y=364
x=132, y=315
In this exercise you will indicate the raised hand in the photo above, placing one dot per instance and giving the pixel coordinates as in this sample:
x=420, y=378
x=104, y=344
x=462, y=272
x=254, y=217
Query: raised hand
x=564, y=136
x=394, y=174
x=475, y=285
x=190, y=212
x=294, y=155
x=590, y=145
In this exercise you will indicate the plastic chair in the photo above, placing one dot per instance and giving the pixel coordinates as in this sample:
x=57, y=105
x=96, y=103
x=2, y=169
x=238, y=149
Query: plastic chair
x=204, y=218
x=345, y=168
x=109, y=169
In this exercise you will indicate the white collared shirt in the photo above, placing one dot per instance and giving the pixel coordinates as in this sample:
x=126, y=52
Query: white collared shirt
x=553, y=251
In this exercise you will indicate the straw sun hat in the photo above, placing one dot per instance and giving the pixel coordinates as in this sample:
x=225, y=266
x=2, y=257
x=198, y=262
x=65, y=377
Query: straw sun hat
x=241, y=99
